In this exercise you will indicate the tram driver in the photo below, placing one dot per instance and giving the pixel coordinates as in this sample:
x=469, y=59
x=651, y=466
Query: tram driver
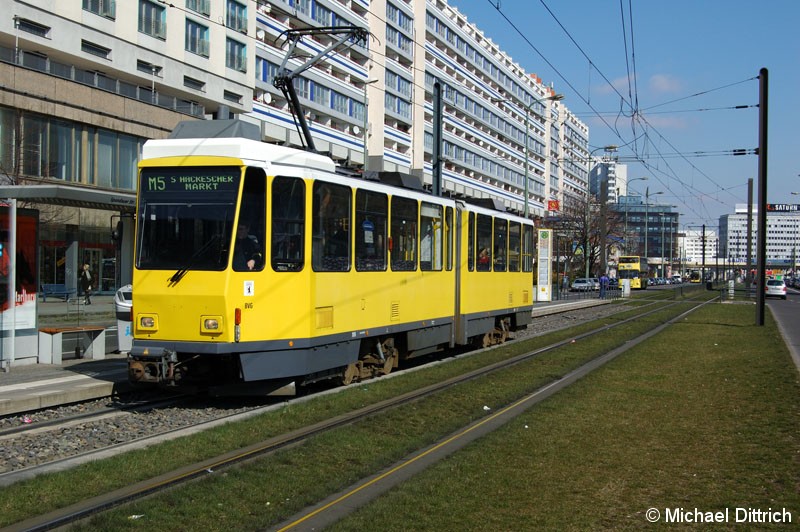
x=247, y=249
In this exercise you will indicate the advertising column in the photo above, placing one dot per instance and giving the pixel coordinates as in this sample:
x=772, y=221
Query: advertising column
x=18, y=302
x=543, y=266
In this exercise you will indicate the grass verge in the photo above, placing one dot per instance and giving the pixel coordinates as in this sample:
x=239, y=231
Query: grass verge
x=704, y=416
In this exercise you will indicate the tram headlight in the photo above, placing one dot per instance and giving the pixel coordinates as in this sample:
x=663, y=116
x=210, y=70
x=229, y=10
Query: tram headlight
x=147, y=322
x=211, y=324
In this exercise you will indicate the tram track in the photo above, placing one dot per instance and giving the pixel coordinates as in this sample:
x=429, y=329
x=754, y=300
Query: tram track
x=94, y=505
x=106, y=408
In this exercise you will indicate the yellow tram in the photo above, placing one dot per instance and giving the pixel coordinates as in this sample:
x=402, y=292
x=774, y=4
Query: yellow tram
x=257, y=263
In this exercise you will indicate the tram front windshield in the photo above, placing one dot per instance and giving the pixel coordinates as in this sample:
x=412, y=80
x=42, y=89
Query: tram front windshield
x=185, y=217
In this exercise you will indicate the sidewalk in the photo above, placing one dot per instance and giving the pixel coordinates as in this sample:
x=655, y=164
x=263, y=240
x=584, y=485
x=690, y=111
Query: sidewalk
x=56, y=312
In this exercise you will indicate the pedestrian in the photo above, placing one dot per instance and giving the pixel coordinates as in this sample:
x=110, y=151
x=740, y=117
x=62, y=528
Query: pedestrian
x=603, y=285
x=86, y=284
x=565, y=283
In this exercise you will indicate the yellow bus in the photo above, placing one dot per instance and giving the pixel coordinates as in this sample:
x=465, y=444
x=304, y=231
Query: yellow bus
x=633, y=268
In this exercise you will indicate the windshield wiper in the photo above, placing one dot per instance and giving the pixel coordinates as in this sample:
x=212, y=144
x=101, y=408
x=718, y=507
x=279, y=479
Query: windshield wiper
x=178, y=275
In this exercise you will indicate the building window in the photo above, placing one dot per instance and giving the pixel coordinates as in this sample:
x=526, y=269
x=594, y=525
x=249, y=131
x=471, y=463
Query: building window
x=235, y=55
x=232, y=97
x=265, y=71
x=340, y=102
x=32, y=27
x=199, y=6
x=236, y=16
x=196, y=38
x=74, y=152
x=95, y=49
x=148, y=68
x=358, y=110
x=104, y=8
x=321, y=95
x=195, y=84
x=322, y=15
x=301, y=87
x=152, y=19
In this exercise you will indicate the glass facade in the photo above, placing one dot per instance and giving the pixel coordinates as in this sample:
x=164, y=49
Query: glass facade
x=48, y=147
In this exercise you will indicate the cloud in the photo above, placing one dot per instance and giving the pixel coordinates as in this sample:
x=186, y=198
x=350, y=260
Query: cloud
x=620, y=84
x=664, y=83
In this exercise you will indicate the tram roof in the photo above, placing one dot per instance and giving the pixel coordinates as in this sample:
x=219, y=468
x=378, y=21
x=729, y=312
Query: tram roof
x=90, y=198
x=244, y=149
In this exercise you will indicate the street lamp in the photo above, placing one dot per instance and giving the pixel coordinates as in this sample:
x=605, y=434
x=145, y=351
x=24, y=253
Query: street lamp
x=366, y=82
x=603, y=206
x=626, y=209
x=647, y=214
x=664, y=217
x=528, y=108
x=661, y=215
x=552, y=98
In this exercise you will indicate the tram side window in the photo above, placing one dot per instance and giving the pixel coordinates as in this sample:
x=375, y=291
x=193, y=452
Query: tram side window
x=372, y=212
x=288, y=224
x=484, y=244
x=527, y=248
x=471, y=243
x=430, y=237
x=448, y=224
x=331, y=228
x=404, y=234
x=248, y=251
x=500, y=244
x=513, y=246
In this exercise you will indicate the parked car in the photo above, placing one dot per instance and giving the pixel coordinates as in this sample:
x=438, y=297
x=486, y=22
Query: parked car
x=596, y=282
x=582, y=284
x=775, y=288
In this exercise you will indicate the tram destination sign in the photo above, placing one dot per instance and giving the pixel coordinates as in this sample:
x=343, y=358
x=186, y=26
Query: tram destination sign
x=215, y=179
x=783, y=207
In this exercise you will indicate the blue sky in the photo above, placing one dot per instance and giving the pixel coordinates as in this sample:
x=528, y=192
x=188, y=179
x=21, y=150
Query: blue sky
x=689, y=62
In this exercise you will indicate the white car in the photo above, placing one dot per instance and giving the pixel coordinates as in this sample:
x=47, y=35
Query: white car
x=582, y=284
x=775, y=288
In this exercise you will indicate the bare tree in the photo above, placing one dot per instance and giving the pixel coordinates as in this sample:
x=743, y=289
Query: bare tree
x=577, y=228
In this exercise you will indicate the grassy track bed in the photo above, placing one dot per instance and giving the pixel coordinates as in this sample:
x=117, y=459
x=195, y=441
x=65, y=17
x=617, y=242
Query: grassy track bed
x=703, y=416
x=263, y=493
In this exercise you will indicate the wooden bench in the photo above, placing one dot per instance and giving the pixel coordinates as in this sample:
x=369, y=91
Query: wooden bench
x=57, y=290
x=91, y=339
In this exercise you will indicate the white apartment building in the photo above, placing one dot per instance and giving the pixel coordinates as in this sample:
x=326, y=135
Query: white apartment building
x=88, y=81
x=783, y=238
x=383, y=91
x=606, y=169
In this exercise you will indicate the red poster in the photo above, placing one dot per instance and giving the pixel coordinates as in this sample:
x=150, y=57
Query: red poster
x=25, y=266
